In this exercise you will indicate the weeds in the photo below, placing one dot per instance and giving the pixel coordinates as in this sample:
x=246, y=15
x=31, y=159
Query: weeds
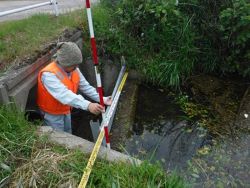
x=165, y=42
x=153, y=36
x=145, y=175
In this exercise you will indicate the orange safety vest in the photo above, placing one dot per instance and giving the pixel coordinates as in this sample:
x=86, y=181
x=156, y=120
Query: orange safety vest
x=45, y=100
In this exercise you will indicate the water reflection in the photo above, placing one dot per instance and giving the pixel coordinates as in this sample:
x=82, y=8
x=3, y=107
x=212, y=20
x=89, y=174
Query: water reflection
x=159, y=134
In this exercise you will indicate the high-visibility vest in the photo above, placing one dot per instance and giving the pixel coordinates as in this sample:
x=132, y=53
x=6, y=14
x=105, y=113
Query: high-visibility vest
x=45, y=100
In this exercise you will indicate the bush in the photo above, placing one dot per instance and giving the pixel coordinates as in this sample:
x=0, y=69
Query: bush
x=154, y=37
x=222, y=28
x=167, y=42
x=234, y=28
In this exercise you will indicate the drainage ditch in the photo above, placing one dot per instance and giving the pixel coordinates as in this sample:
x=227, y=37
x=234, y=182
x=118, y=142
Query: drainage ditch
x=147, y=123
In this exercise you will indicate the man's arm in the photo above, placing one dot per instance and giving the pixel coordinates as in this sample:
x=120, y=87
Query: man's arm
x=90, y=91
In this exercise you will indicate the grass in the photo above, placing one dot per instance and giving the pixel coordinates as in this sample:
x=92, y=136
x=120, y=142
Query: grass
x=29, y=161
x=21, y=38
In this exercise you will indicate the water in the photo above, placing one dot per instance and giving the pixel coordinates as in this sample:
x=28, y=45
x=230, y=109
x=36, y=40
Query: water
x=160, y=133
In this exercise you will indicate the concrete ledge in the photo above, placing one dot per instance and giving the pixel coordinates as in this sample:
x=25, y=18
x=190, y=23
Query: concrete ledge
x=125, y=115
x=73, y=142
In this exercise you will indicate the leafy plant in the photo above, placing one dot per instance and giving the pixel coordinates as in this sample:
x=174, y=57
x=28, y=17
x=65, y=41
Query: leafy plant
x=234, y=27
x=222, y=29
x=155, y=38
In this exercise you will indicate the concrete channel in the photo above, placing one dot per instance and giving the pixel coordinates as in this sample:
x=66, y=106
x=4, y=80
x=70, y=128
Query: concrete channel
x=18, y=86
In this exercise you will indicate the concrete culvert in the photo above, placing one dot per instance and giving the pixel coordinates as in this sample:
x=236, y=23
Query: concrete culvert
x=33, y=115
x=20, y=87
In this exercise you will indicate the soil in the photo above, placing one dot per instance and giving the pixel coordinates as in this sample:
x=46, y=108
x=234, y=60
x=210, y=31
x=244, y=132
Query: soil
x=31, y=58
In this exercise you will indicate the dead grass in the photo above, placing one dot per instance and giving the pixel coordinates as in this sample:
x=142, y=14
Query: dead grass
x=44, y=168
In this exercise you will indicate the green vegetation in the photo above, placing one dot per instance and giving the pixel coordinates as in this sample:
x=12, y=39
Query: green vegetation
x=222, y=29
x=22, y=38
x=200, y=114
x=30, y=161
x=168, y=42
x=154, y=37
x=165, y=42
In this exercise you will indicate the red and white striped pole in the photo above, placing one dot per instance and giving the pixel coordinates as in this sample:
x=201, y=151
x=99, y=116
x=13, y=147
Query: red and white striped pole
x=95, y=60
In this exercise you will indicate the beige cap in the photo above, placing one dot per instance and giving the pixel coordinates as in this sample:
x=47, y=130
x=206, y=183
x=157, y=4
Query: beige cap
x=68, y=54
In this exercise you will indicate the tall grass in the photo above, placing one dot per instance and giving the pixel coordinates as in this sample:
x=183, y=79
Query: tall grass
x=155, y=38
x=16, y=138
x=145, y=175
x=167, y=43
x=223, y=34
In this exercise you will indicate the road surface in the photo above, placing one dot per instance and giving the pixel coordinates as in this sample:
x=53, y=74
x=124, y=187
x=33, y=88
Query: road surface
x=63, y=6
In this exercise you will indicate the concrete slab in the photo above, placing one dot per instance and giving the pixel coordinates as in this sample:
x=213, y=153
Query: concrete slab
x=73, y=142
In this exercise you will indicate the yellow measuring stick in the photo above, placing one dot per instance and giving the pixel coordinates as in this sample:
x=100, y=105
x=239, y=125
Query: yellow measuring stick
x=123, y=82
x=97, y=146
x=91, y=161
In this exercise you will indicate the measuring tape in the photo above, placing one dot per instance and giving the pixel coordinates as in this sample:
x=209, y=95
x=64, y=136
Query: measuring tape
x=98, y=143
x=91, y=161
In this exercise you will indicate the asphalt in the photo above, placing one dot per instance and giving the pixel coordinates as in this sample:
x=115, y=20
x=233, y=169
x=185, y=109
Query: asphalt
x=63, y=7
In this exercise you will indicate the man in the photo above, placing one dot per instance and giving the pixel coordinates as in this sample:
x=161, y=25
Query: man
x=58, y=84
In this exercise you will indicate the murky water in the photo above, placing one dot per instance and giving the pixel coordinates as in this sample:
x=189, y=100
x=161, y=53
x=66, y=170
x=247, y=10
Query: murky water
x=160, y=133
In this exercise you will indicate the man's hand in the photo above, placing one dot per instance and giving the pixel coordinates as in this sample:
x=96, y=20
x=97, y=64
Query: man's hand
x=96, y=108
x=107, y=101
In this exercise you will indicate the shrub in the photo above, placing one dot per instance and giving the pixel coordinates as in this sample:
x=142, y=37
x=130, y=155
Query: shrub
x=234, y=28
x=222, y=28
x=154, y=37
x=167, y=42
